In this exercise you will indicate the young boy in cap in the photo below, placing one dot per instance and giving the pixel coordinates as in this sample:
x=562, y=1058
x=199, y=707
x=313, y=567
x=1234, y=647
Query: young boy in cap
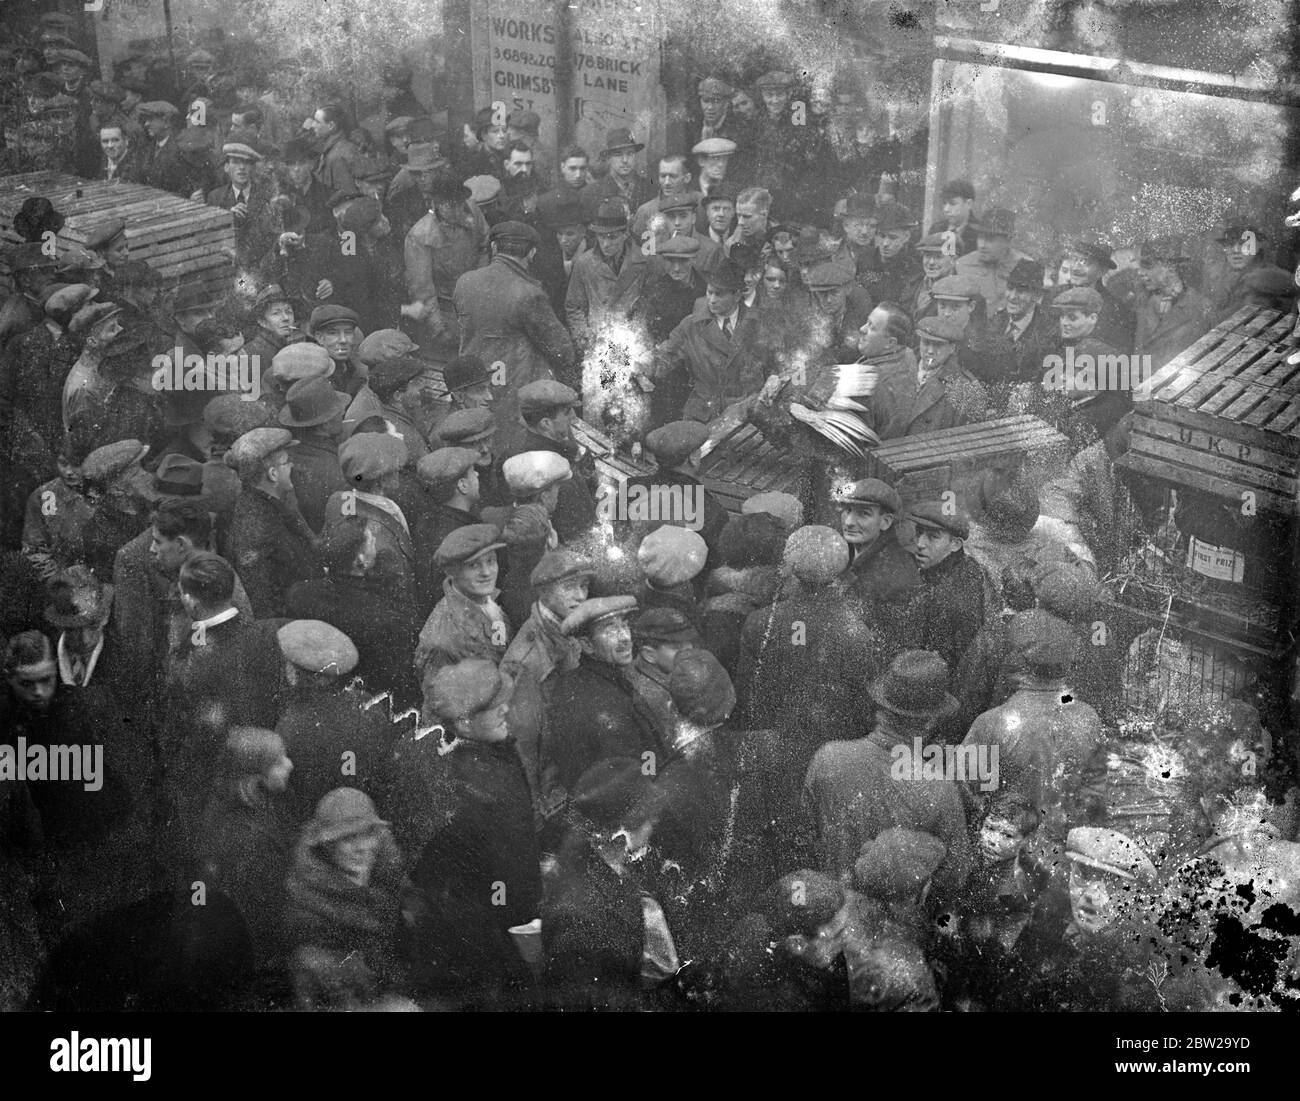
x=1098, y=397
x=1087, y=263
x=268, y=540
x=462, y=945
x=467, y=621
x=953, y=605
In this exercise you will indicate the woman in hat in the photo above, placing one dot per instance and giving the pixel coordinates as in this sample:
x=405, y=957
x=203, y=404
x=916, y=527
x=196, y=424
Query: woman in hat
x=344, y=897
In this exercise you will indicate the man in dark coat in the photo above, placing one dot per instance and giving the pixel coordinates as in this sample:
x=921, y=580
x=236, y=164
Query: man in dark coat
x=313, y=412
x=363, y=606
x=1088, y=262
x=882, y=576
x=506, y=320
x=450, y=481
x=1012, y=348
x=940, y=394
x=893, y=272
x=804, y=661
x=853, y=790
x=952, y=610
x=478, y=875
x=257, y=224
x=563, y=240
x=549, y=409
x=268, y=539
x=1173, y=316
x=1098, y=393
x=336, y=732
x=590, y=715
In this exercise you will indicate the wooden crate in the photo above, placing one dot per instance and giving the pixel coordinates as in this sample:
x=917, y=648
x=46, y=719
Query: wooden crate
x=1223, y=419
x=183, y=241
x=923, y=467
x=745, y=463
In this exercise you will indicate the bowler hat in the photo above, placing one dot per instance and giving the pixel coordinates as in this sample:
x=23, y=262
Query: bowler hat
x=178, y=476
x=610, y=215
x=620, y=139
x=78, y=599
x=1095, y=251
x=915, y=686
x=311, y=401
x=464, y=371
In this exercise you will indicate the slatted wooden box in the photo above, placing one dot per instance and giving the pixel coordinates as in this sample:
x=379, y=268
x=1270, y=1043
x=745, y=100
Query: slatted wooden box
x=923, y=467
x=1221, y=423
x=746, y=463
x=182, y=240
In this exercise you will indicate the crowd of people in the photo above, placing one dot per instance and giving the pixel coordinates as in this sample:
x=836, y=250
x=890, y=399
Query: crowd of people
x=398, y=709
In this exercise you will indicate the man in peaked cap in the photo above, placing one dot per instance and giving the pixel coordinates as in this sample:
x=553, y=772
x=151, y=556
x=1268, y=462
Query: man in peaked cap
x=994, y=257
x=1012, y=348
x=268, y=541
x=590, y=715
x=880, y=572
x=940, y=394
x=449, y=478
x=461, y=942
x=853, y=792
x=1243, y=243
x=560, y=583
x=467, y=621
x=891, y=272
x=953, y=604
x=507, y=319
x=371, y=463
x=548, y=410
x=248, y=199
x=1173, y=315
x=658, y=636
x=671, y=558
x=1088, y=262
x=476, y=429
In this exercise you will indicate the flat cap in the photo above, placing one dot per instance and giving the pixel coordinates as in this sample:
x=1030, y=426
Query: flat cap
x=1109, y=851
x=546, y=394
x=468, y=542
x=483, y=189
x=998, y=222
x=869, y=491
x=370, y=455
x=1078, y=298
x=231, y=416
x=673, y=443
x=714, y=147
x=106, y=233
x=1040, y=638
x=317, y=647
x=158, y=107
x=388, y=375
x=514, y=231
x=258, y=444
x=897, y=863
x=533, y=471
x=178, y=476
x=105, y=463
x=678, y=247
x=816, y=554
x=385, y=344
x=701, y=688
x=712, y=86
x=933, y=242
x=301, y=360
x=324, y=316
x=688, y=200
x=1027, y=274
x=467, y=426
x=937, y=514
x=784, y=506
x=829, y=275
x=961, y=287
x=68, y=57
x=466, y=689
x=559, y=565
x=724, y=192
x=611, y=215
x=659, y=625
x=670, y=555
x=68, y=297
x=946, y=329
x=1065, y=591
x=775, y=79
x=891, y=216
x=464, y=371
x=592, y=611
x=1096, y=251
x=439, y=469
x=242, y=151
